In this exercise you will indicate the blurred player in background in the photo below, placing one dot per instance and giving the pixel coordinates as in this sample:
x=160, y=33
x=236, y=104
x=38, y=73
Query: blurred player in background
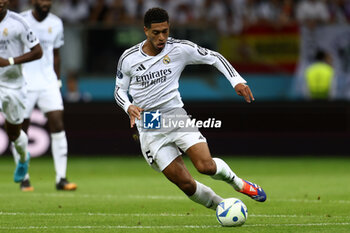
x=319, y=77
x=15, y=34
x=150, y=71
x=43, y=78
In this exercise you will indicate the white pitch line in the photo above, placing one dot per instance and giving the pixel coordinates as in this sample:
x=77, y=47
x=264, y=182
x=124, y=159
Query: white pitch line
x=295, y=216
x=300, y=224
x=164, y=215
x=310, y=201
x=160, y=197
x=341, y=201
x=299, y=200
x=101, y=196
x=172, y=227
x=110, y=227
x=108, y=214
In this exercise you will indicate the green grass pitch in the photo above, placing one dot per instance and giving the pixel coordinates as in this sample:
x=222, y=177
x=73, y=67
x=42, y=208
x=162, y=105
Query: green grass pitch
x=123, y=194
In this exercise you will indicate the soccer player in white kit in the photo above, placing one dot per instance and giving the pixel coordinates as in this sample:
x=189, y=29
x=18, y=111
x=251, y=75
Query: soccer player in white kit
x=150, y=71
x=44, y=85
x=15, y=34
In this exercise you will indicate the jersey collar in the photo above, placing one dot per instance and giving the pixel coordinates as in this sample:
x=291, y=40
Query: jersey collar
x=146, y=55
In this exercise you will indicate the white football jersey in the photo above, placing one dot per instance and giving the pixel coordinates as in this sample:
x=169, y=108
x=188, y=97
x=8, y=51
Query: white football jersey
x=40, y=73
x=15, y=35
x=153, y=81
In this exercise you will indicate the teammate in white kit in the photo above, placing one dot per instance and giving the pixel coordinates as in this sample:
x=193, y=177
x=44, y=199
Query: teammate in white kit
x=44, y=85
x=150, y=71
x=15, y=34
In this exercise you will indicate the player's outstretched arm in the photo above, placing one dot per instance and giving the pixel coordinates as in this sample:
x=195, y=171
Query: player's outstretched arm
x=35, y=53
x=134, y=112
x=244, y=90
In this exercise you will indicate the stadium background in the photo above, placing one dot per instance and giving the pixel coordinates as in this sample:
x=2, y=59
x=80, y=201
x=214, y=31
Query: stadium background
x=269, y=42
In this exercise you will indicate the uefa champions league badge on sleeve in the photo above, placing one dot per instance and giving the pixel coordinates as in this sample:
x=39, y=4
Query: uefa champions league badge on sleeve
x=119, y=74
x=202, y=51
x=152, y=120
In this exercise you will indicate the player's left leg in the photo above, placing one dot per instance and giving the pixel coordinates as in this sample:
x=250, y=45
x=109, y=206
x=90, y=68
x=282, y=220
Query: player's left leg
x=20, y=141
x=59, y=149
x=219, y=170
x=31, y=99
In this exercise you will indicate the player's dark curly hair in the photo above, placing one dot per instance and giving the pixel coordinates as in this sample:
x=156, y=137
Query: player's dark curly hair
x=155, y=15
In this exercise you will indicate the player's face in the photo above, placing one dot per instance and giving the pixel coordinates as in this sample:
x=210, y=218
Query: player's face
x=3, y=6
x=157, y=35
x=42, y=6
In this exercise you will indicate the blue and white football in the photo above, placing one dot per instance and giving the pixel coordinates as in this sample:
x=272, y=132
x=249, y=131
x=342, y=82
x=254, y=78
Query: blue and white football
x=231, y=212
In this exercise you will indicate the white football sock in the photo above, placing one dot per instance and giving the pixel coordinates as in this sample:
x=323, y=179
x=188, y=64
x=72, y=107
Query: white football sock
x=21, y=147
x=16, y=157
x=59, y=149
x=206, y=196
x=224, y=172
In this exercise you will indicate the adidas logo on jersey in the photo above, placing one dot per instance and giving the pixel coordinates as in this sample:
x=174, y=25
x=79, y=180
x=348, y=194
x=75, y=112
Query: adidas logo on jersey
x=140, y=68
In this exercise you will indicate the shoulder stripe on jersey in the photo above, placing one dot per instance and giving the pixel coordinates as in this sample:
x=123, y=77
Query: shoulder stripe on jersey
x=127, y=54
x=182, y=42
x=20, y=19
x=225, y=63
x=188, y=43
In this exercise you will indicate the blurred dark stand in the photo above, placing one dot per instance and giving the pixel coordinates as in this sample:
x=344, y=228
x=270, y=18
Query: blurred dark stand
x=270, y=128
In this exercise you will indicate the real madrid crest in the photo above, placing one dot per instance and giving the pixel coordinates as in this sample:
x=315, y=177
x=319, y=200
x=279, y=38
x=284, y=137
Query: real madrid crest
x=166, y=59
x=50, y=30
x=5, y=32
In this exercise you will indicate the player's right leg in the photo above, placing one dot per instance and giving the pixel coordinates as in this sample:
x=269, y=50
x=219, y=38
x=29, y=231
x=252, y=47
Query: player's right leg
x=224, y=172
x=50, y=102
x=219, y=170
x=178, y=174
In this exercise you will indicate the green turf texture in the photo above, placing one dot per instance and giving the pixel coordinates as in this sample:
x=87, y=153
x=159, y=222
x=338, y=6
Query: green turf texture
x=123, y=194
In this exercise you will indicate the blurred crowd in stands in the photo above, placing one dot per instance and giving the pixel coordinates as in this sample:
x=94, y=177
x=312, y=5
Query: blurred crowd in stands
x=229, y=16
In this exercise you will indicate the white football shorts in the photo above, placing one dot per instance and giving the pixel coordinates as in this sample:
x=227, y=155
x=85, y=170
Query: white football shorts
x=160, y=148
x=13, y=103
x=47, y=100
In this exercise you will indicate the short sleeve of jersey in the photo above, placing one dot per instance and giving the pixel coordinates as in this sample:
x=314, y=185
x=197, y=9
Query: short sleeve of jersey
x=27, y=35
x=59, y=40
